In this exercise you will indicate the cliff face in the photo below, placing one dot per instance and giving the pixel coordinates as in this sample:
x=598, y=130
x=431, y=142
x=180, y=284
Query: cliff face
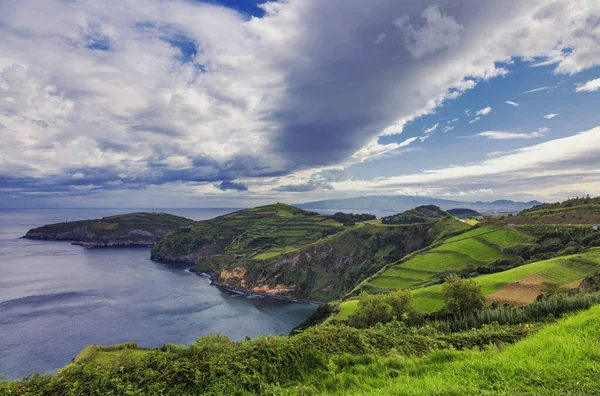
x=279, y=250
x=321, y=271
x=136, y=229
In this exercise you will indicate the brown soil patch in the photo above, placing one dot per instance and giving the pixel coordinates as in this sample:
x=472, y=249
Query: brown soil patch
x=521, y=292
x=573, y=285
x=235, y=273
x=277, y=289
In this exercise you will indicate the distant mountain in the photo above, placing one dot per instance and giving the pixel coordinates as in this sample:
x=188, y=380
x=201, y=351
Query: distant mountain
x=401, y=203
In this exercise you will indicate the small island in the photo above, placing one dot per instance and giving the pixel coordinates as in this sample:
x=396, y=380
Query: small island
x=128, y=230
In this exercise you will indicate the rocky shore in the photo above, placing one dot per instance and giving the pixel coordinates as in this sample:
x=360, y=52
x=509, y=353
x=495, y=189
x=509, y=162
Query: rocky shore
x=211, y=275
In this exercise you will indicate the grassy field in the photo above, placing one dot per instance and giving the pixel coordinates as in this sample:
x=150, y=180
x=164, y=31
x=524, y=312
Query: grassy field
x=477, y=247
x=561, y=359
x=560, y=270
x=261, y=233
x=113, y=227
x=348, y=309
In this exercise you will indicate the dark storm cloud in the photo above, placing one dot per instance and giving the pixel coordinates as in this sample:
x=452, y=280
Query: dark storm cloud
x=147, y=92
x=228, y=185
x=350, y=88
x=311, y=185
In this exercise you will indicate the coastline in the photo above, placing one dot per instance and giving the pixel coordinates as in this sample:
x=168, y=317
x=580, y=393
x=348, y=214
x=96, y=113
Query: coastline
x=211, y=275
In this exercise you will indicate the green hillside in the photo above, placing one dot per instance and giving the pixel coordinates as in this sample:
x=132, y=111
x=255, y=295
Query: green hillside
x=560, y=270
x=572, y=211
x=247, y=233
x=544, y=358
x=283, y=250
x=420, y=214
x=558, y=360
x=476, y=247
x=126, y=229
x=463, y=213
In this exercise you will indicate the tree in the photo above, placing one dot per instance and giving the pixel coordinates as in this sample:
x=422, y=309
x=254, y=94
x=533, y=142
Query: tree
x=371, y=309
x=401, y=303
x=462, y=295
x=381, y=308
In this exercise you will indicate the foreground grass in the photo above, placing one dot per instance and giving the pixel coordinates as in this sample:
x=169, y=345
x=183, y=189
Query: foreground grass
x=562, y=359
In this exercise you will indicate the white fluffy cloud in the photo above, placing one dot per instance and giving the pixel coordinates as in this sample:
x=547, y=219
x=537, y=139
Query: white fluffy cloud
x=550, y=116
x=504, y=135
x=130, y=93
x=543, y=164
x=514, y=104
x=483, y=112
x=589, y=86
x=431, y=129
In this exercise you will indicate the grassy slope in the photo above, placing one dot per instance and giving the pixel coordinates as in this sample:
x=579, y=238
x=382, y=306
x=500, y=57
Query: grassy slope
x=559, y=360
x=332, y=266
x=250, y=233
x=478, y=247
x=116, y=226
x=561, y=270
x=573, y=211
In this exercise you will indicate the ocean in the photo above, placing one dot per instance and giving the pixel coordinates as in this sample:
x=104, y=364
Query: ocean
x=57, y=298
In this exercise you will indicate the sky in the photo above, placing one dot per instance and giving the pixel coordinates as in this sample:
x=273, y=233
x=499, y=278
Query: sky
x=182, y=103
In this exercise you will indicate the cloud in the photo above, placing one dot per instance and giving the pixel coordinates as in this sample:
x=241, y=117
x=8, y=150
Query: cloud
x=380, y=38
x=452, y=120
x=545, y=165
x=229, y=185
x=503, y=135
x=431, y=129
x=589, y=86
x=439, y=32
x=536, y=90
x=448, y=128
x=375, y=149
x=145, y=92
x=474, y=120
x=311, y=185
x=515, y=104
x=485, y=111
x=550, y=116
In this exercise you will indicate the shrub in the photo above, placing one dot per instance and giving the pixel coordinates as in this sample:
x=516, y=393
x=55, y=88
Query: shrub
x=382, y=308
x=462, y=295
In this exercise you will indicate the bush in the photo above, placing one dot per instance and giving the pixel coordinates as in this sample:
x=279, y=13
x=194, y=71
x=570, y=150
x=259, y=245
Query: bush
x=381, y=308
x=462, y=295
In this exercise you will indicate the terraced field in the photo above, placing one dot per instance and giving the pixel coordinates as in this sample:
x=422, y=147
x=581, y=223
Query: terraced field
x=259, y=233
x=560, y=270
x=477, y=247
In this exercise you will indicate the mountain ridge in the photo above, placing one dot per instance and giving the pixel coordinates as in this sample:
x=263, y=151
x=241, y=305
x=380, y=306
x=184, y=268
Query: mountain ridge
x=400, y=203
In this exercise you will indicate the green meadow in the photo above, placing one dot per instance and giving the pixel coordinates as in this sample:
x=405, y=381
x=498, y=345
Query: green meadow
x=477, y=247
x=560, y=270
x=561, y=359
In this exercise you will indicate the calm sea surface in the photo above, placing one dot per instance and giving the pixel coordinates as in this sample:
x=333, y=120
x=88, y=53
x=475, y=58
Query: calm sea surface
x=56, y=298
